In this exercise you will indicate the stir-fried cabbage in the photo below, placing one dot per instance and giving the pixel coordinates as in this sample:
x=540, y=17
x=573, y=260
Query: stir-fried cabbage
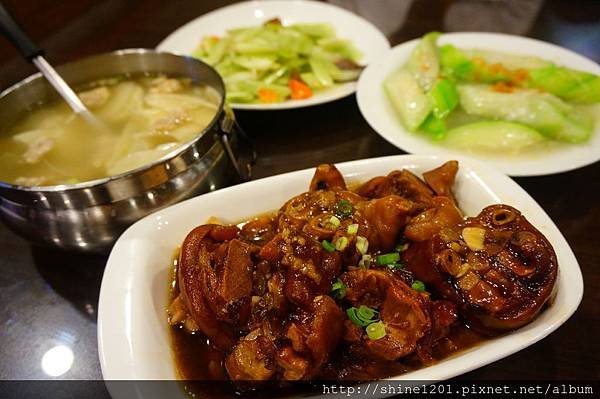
x=274, y=63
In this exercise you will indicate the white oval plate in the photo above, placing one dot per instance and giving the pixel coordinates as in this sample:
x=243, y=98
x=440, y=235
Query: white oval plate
x=133, y=336
x=379, y=113
x=366, y=37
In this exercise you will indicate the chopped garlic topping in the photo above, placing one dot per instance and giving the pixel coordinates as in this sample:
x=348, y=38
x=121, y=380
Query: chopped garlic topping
x=474, y=237
x=464, y=268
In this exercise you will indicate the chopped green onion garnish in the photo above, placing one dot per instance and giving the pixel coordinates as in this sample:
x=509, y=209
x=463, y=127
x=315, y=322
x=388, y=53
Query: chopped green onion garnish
x=395, y=266
x=387, y=259
x=365, y=261
x=344, y=208
x=418, y=285
x=335, y=222
x=363, y=316
x=327, y=246
x=376, y=330
x=338, y=289
x=351, y=313
x=401, y=247
x=362, y=244
x=366, y=312
x=341, y=243
x=352, y=228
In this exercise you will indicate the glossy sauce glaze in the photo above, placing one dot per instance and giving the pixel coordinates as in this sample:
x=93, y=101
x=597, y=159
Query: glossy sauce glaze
x=198, y=364
x=351, y=285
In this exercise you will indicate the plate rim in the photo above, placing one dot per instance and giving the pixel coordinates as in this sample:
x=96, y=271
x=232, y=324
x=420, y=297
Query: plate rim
x=114, y=270
x=416, y=145
x=342, y=90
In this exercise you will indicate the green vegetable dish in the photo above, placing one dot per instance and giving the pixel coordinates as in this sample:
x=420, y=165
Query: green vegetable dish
x=273, y=63
x=490, y=101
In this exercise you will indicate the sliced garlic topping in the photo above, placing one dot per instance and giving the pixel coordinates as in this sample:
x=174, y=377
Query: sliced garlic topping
x=455, y=246
x=474, y=237
x=465, y=267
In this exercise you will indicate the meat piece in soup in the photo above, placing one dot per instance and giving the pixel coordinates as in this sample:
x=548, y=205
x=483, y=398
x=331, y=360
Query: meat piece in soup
x=147, y=117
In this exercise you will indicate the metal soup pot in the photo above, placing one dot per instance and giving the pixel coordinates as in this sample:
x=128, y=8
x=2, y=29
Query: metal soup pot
x=90, y=216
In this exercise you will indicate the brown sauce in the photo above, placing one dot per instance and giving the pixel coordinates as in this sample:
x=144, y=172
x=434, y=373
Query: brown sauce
x=197, y=362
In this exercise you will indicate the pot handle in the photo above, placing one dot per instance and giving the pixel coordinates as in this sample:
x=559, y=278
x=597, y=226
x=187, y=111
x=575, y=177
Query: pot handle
x=244, y=162
x=17, y=37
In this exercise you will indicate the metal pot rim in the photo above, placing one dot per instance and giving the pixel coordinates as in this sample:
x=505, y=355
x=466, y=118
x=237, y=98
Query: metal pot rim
x=102, y=181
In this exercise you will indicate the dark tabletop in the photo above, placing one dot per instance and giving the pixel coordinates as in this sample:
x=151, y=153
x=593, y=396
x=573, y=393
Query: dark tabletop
x=50, y=298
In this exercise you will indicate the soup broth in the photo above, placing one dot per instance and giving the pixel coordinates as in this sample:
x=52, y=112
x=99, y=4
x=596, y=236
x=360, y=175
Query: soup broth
x=146, y=117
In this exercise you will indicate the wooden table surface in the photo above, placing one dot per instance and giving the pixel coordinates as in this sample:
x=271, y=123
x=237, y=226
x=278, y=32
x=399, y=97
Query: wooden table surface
x=49, y=298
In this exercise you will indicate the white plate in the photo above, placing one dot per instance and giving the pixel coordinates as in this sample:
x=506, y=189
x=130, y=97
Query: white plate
x=133, y=338
x=379, y=114
x=366, y=37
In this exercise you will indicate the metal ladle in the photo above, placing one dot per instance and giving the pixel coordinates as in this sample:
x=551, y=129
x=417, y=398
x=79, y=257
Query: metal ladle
x=32, y=53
